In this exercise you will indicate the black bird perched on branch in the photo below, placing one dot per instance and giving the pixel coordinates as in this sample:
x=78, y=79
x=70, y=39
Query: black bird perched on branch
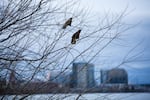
x=67, y=23
x=75, y=36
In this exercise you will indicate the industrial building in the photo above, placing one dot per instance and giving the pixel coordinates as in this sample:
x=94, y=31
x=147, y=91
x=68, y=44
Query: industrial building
x=82, y=75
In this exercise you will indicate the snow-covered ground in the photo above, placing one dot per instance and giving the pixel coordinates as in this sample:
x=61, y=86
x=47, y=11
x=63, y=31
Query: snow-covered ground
x=94, y=96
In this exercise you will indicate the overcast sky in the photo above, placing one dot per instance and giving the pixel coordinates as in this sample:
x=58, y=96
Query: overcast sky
x=138, y=12
x=139, y=71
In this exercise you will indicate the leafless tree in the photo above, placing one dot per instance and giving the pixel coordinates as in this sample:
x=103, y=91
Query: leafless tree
x=32, y=41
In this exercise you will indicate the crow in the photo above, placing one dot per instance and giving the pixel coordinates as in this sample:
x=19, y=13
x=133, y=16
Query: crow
x=75, y=36
x=67, y=23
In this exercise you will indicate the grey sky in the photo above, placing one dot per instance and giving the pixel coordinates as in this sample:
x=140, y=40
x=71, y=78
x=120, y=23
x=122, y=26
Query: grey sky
x=140, y=6
x=113, y=54
x=138, y=13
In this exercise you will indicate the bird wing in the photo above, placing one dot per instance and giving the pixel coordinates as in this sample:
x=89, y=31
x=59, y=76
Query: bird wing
x=68, y=22
x=77, y=35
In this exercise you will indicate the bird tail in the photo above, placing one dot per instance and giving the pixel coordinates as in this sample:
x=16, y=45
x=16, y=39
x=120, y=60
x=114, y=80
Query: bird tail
x=64, y=26
x=73, y=41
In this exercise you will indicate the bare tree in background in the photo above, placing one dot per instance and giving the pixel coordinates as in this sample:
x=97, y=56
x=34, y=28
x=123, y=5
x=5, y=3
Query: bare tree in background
x=32, y=41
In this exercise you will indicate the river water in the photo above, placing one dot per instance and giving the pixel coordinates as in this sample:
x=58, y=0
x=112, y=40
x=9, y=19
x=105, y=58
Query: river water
x=94, y=96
